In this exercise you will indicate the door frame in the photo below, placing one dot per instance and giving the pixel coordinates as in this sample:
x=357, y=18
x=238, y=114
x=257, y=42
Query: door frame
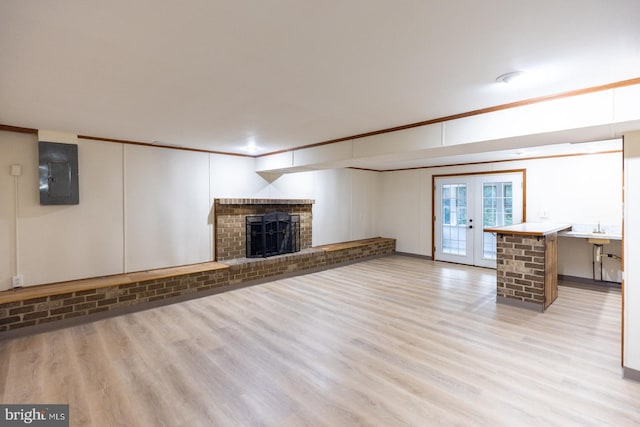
x=449, y=175
x=468, y=256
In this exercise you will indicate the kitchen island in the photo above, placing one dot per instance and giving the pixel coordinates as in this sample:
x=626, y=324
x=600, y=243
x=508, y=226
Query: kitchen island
x=527, y=264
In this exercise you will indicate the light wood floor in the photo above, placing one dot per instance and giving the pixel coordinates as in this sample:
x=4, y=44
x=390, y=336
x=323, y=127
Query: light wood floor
x=389, y=342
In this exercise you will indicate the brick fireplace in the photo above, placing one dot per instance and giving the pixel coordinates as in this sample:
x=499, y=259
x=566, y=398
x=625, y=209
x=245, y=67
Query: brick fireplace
x=229, y=222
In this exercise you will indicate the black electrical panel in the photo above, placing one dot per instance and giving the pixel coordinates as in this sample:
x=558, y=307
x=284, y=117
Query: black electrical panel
x=58, y=173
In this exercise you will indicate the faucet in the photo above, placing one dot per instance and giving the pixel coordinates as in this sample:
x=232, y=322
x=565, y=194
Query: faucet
x=598, y=230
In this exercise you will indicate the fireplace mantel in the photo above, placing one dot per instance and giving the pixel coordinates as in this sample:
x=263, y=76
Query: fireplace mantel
x=265, y=201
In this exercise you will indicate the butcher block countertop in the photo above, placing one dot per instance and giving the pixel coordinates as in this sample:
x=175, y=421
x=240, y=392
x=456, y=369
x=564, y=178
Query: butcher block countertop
x=530, y=229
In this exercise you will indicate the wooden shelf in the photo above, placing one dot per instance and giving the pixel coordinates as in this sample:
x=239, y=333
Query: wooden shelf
x=103, y=282
x=351, y=244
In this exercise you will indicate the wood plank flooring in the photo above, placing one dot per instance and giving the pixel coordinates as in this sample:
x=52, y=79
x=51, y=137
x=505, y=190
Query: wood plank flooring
x=394, y=341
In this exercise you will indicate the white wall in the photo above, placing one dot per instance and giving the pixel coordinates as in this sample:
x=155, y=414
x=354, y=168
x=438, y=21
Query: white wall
x=14, y=149
x=632, y=251
x=576, y=190
x=332, y=191
x=365, y=188
x=233, y=176
x=346, y=201
x=84, y=239
x=166, y=196
x=405, y=210
x=147, y=207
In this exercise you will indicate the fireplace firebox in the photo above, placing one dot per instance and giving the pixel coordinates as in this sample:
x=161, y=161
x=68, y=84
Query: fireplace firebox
x=273, y=233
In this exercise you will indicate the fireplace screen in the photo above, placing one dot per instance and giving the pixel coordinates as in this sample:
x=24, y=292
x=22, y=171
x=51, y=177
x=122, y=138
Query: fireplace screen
x=271, y=234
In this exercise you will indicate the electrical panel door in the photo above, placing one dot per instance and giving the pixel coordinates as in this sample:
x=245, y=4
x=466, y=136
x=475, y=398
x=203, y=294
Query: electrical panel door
x=58, y=173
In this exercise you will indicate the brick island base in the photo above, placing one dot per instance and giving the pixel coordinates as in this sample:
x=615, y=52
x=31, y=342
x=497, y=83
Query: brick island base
x=46, y=307
x=527, y=263
x=520, y=271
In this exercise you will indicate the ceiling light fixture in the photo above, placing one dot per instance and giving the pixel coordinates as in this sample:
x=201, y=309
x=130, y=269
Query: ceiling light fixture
x=251, y=146
x=509, y=77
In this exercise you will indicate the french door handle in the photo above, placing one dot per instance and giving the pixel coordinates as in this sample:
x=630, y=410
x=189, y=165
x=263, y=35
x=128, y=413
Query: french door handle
x=471, y=226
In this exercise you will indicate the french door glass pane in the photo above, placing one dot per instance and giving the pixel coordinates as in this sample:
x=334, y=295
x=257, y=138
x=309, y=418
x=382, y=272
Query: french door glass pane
x=497, y=210
x=454, y=219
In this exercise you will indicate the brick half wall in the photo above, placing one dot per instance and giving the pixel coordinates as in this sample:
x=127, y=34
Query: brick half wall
x=54, y=308
x=59, y=305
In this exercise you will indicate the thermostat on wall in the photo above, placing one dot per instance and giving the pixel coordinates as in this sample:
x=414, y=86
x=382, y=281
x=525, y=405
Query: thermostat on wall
x=16, y=170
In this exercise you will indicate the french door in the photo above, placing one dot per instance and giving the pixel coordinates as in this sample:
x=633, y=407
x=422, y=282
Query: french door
x=464, y=205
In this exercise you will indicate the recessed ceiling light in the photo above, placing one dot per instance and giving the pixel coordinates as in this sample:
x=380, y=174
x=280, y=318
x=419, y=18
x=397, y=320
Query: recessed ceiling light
x=251, y=146
x=509, y=77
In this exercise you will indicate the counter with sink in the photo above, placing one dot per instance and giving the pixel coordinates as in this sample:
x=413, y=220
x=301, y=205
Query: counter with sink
x=527, y=264
x=598, y=237
x=594, y=237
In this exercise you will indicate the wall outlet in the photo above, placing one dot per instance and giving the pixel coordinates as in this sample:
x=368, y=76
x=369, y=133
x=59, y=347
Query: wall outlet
x=17, y=281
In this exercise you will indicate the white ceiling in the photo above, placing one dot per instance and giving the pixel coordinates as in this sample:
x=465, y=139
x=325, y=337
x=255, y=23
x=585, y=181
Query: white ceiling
x=215, y=75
